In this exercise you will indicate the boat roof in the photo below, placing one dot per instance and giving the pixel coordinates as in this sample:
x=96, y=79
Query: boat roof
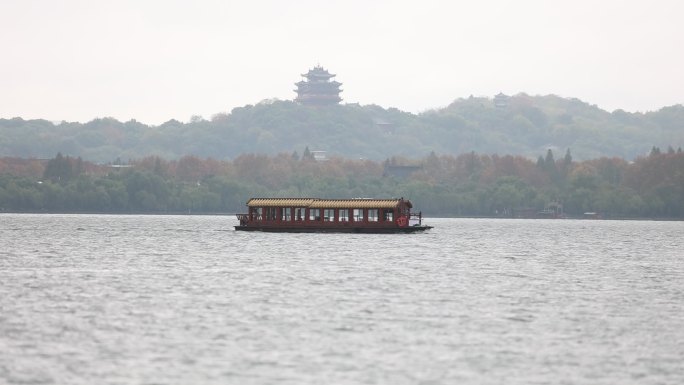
x=355, y=203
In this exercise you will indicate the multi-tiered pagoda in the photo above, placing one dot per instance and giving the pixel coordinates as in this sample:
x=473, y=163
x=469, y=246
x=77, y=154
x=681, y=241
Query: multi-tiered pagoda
x=318, y=89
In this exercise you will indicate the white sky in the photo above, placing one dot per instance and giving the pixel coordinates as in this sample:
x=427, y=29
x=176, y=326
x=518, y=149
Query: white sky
x=157, y=60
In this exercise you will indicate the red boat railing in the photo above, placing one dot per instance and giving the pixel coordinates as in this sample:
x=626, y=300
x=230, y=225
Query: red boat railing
x=243, y=218
x=416, y=216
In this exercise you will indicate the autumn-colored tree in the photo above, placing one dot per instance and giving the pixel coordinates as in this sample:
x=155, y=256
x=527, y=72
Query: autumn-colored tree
x=468, y=184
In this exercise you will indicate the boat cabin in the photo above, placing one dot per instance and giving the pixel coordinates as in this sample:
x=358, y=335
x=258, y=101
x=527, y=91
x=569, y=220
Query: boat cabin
x=330, y=215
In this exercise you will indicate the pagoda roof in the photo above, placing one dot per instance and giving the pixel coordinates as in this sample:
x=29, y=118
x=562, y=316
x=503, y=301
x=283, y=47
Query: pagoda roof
x=318, y=71
x=357, y=203
x=318, y=85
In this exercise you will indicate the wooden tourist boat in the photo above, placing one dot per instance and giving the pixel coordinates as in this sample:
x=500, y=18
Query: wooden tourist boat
x=312, y=215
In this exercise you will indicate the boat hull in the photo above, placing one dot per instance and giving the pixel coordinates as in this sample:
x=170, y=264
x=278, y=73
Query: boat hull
x=353, y=230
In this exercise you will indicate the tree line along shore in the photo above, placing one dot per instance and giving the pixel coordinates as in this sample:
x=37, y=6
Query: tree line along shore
x=469, y=184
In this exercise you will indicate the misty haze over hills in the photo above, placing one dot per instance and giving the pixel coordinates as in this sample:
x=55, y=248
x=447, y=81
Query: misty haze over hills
x=520, y=124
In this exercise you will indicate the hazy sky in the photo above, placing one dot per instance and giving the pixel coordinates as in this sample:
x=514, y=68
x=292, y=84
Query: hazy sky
x=158, y=60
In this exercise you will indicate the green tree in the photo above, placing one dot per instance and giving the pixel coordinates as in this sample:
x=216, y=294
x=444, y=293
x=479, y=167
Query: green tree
x=59, y=169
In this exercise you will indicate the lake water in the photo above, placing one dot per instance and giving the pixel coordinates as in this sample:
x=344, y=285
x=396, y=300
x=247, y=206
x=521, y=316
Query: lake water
x=95, y=299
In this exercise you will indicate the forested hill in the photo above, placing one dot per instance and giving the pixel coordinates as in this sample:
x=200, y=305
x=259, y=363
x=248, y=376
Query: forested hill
x=523, y=125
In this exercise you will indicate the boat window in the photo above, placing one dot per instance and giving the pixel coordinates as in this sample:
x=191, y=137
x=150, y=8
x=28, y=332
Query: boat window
x=299, y=214
x=270, y=213
x=372, y=215
x=287, y=214
x=343, y=215
x=358, y=215
x=329, y=215
x=258, y=212
x=314, y=214
x=388, y=215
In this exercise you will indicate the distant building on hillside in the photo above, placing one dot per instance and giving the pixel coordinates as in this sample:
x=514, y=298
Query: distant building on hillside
x=318, y=89
x=320, y=156
x=501, y=100
x=400, y=168
x=398, y=171
x=386, y=127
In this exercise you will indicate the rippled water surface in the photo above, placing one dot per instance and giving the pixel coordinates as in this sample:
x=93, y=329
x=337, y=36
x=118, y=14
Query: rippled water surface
x=91, y=299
